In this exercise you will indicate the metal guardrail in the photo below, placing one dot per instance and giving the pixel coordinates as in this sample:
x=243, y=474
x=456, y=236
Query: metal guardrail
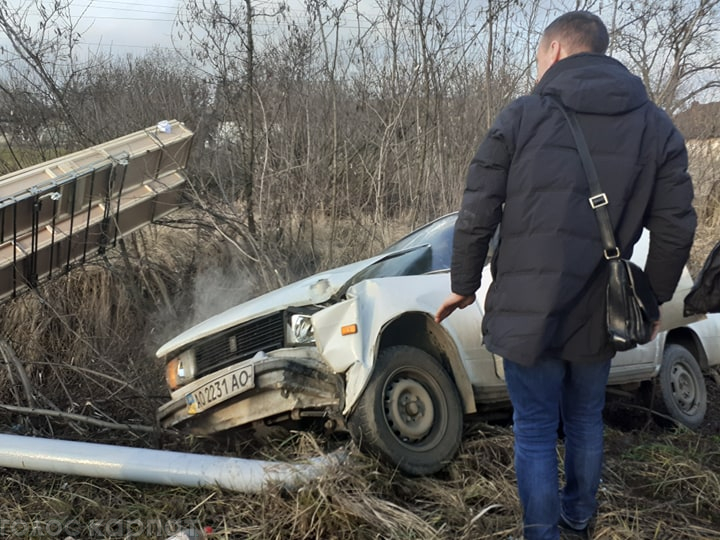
x=56, y=214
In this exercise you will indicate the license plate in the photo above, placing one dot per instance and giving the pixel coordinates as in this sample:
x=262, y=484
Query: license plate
x=219, y=389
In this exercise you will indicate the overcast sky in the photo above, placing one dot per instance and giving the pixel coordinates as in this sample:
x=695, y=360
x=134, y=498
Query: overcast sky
x=133, y=26
x=111, y=26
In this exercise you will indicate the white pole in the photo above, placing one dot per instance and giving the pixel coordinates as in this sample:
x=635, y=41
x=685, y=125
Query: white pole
x=155, y=466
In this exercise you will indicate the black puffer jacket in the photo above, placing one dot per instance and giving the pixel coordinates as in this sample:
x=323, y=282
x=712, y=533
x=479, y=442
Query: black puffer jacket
x=547, y=297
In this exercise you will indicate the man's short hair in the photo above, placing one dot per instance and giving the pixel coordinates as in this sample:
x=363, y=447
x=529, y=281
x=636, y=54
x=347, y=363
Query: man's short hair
x=581, y=31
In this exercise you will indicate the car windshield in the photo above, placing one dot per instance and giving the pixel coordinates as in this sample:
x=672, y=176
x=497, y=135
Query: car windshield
x=427, y=249
x=437, y=235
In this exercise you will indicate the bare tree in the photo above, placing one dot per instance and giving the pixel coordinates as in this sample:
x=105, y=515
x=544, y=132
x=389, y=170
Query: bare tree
x=222, y=39
x=125, y=94
x=42, y=54
x=674, y=46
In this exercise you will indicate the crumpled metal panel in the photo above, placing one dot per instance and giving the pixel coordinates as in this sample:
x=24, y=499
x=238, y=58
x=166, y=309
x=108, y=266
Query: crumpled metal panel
x=58, y=213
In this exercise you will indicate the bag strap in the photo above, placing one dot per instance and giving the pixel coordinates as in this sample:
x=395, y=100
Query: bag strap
x=598, y=199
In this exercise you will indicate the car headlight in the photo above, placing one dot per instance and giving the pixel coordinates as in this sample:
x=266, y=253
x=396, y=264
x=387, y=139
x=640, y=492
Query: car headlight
x=181, y=369
x=300, y=330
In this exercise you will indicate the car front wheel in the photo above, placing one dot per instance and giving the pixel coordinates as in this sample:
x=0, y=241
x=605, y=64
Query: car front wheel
x=410, y=414
x=683, y=387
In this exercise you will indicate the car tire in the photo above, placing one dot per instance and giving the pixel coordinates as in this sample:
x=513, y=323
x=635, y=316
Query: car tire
x=683, y=386
x=410, y=413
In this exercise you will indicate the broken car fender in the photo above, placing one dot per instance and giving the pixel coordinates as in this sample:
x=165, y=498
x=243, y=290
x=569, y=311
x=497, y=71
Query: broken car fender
x=371, y=306
x=344, y=351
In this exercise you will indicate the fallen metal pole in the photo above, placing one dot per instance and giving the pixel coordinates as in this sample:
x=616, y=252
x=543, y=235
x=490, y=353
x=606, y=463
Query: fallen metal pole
x=156, y=466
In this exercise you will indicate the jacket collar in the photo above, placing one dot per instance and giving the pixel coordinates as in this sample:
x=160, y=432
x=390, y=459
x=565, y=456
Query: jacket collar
x=593, y=83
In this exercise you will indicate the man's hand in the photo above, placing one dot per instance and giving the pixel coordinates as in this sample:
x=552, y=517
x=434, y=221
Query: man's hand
x=451, y=303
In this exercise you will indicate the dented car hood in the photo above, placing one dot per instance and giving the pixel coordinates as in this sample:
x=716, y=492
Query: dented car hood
x=315, y=289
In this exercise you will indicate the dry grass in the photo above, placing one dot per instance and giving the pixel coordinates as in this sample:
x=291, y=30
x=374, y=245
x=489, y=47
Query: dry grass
x=662, y=487
x=705, y=168
x=84, y=345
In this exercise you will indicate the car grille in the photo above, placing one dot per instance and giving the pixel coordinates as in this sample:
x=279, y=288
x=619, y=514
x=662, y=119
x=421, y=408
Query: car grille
x=239, y=343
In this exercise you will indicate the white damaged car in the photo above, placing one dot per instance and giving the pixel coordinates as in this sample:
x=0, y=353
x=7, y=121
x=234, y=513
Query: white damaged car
x=357, y=348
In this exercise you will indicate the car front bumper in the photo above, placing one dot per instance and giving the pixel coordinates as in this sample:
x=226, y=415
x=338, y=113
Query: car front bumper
x=282, y=384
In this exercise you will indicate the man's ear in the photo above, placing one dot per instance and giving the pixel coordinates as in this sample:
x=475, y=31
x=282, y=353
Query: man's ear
x=556, y=51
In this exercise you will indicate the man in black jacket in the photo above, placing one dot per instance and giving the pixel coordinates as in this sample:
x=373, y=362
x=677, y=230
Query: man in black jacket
x=545, y=310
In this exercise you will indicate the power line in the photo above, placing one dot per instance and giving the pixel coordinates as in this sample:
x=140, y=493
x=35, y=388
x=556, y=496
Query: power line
x=88, y=14
x=124, y=46
x=94, y=3
x=346, y=24
x=145, y=19
x=169, y=10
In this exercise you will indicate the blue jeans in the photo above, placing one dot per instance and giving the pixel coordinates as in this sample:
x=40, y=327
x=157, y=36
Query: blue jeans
x=541, y=395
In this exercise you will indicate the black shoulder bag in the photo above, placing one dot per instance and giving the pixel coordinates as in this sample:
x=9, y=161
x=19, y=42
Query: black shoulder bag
x=632, y=307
